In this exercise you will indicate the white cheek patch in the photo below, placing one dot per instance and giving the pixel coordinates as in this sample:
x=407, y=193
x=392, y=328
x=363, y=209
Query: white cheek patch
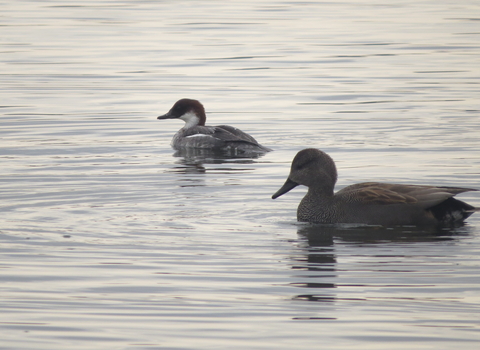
x=190, y=119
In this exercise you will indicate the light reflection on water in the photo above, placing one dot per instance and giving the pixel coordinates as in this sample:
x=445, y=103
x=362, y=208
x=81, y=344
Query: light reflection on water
x=110, y=239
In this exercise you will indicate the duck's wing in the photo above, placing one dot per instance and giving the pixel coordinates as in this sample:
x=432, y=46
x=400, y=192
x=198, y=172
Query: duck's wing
x=221, y=133
x=375, y=193
x=239, y=134
x=382, y=193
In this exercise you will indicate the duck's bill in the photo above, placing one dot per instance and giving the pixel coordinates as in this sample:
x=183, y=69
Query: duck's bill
x=166, y=116
x=287, y=186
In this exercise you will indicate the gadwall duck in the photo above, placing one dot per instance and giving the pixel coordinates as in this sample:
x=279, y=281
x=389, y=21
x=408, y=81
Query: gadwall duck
x=369, y=203
x=195, y=134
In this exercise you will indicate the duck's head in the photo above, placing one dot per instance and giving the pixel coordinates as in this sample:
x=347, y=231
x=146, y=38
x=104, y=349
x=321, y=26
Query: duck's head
x=312, y=168
x=190, y=111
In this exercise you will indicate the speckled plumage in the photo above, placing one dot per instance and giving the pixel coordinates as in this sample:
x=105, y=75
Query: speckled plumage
x=370, y=203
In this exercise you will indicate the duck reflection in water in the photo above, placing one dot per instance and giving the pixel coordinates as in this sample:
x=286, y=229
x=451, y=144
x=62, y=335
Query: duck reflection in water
x=192, y=160
x=317, y=255
x=317, y=252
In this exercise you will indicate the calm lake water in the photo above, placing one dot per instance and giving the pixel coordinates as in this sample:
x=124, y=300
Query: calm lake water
x=111, y=240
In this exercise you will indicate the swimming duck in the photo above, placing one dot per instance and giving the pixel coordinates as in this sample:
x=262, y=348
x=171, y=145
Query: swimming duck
x=195, y=134
x=371, y=203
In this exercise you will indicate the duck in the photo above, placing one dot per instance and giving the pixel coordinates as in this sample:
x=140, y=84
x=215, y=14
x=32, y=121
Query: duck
x=195, y=134
x=369, y=203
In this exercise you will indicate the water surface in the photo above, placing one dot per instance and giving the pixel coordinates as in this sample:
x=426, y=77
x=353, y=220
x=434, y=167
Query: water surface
x=110, y=239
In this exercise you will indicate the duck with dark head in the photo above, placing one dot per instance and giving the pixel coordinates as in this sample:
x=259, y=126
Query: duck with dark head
x=371, y=203
x=195, y=134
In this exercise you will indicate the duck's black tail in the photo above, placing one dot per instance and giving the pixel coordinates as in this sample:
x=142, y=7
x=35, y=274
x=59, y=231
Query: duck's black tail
x=452, y=211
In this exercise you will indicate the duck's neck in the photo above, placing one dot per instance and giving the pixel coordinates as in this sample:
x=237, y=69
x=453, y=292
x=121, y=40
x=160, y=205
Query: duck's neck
x=190, y=119
x=316, y=206
x=193, y=118
x=322, y=190
x=320, y=195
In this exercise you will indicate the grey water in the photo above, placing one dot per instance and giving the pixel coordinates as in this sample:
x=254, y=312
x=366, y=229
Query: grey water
x=110, y=239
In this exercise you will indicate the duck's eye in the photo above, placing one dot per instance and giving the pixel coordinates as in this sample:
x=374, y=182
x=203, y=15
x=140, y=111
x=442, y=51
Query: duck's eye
x=299, y=166
x=302, y=165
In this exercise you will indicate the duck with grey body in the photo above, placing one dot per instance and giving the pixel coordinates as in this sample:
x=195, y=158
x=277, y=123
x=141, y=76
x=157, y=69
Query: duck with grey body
x=370, y=203
x=195, y=134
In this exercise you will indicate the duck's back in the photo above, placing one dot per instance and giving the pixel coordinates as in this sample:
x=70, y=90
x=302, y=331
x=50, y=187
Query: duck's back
x=239, y=134
x=398, y=204
x=217, y=137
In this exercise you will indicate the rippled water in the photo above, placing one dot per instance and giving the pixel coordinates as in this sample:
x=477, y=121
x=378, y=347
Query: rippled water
x=111, y=240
